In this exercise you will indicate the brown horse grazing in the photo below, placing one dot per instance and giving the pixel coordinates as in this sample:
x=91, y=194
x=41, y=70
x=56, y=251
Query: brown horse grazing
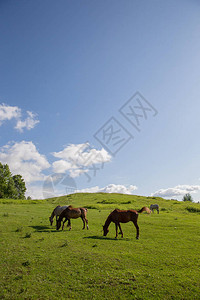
x=72, y=213
x=123, y=216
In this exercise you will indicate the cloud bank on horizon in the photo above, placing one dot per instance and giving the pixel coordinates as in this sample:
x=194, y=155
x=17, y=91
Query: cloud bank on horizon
x=111, y=188
x=179, y=190
x=51, y=189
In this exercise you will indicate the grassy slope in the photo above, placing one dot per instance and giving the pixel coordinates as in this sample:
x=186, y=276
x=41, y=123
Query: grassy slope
x=37, y=262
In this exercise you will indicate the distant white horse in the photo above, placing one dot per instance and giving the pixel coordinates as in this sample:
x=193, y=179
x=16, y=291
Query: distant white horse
x=56, y=212
x=154, y=206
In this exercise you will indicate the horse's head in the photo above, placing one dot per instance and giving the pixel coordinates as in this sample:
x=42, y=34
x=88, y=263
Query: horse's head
x=105, y=230
x=58, y=224
x=51, y=220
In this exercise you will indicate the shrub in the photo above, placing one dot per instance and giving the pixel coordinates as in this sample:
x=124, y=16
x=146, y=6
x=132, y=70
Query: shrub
x=19, y=229
x=193, y=209
x=187, y=197
x=27, y=235
x=163, y=209
x=26, y=263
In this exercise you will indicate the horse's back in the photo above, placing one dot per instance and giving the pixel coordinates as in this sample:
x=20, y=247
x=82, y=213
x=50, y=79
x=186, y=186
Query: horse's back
x=55, y=209
x=124, y=216
x=154, y=206
x=74, y=213
x=59, y=209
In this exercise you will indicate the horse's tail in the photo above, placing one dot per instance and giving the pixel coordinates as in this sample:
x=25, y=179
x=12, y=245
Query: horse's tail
x=83, y=210
x=144, y=209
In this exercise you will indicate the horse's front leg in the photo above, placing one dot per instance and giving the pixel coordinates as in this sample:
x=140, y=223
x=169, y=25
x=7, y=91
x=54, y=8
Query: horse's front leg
x=64, y=223
x=116, y=227
x=120, y=230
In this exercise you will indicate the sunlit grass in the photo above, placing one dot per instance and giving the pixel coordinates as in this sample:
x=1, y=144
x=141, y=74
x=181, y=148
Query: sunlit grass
x=38, y=262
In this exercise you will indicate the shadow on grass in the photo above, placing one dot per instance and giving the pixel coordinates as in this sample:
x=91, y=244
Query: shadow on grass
x=40, y=228
x=96, y=237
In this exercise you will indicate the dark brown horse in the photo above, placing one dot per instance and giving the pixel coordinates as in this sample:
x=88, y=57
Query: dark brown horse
x=72, y=213
x=123, y=216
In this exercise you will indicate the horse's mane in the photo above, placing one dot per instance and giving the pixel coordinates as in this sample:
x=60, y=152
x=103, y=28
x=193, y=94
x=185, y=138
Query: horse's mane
x=56, y=207
x=53, y=212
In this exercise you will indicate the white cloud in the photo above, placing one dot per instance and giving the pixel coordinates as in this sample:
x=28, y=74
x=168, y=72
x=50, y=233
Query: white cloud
x=8, y=112
x=34, y=191
x=61, y=166
x=76, y=159
x=179, y=190
x=111, y=188
x=28, y=123
x=23, y=158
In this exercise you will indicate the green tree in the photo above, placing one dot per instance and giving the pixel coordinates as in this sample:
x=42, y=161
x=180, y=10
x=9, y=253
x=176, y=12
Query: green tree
x=11, y=186
x=11, y=189
x=20, y=186
x=187, y=197
x=5, y=176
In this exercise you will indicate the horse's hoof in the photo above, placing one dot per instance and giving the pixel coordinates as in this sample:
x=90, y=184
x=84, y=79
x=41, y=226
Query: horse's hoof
x=137, y=237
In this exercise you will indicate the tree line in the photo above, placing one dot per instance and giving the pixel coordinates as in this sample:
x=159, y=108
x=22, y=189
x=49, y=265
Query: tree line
x=11, y=186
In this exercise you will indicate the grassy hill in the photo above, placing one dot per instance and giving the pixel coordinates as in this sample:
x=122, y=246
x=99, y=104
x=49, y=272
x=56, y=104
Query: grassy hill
x=38, y=262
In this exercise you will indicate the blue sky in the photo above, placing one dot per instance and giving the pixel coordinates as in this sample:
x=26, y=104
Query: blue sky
x=66, y=69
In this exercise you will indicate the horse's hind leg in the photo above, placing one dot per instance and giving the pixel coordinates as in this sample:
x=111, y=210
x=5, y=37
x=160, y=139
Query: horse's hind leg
x=69, y=224
x=86, y=223
x=83, y=219
x=137, y=229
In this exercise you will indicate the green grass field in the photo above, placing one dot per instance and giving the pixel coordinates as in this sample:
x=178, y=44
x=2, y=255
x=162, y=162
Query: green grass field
x=38, y=262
